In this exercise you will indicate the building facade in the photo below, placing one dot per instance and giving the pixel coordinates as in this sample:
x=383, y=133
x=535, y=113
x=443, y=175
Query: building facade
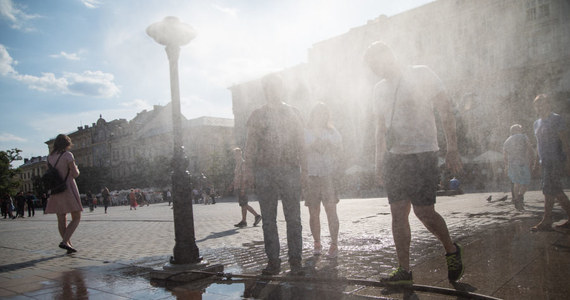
x=32, y=169
x=132, y=152
x=493, y=56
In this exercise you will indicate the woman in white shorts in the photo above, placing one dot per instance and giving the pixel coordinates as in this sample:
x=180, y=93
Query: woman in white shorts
x=323, y=144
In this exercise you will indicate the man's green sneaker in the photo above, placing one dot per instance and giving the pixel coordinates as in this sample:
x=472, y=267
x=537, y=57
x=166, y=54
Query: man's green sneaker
x=454, y=264
x=398, y=277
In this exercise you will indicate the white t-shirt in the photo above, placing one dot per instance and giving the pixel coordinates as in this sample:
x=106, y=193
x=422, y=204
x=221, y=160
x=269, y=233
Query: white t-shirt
x=414, y=120
x=516, y=147
x=321, y=160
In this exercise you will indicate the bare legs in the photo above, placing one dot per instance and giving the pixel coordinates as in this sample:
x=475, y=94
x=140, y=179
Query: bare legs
x=245, y=209
x=546, y=222
x=401, y=231
x=518, y=194
x=402, y=234
x=315, y=225
x=66, y=230
x=519, y=190
x=332, y=219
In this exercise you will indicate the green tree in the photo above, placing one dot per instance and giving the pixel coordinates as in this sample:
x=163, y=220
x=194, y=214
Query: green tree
x=9, y=181
x=92, y=179
x=38, y=185
x=221, y=170
x=142, y=173
x=160, y=170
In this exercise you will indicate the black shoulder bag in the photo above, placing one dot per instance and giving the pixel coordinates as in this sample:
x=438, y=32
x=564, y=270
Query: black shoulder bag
x=52, y=180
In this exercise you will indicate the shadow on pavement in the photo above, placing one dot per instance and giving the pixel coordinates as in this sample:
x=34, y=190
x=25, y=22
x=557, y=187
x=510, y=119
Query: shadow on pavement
x=26, y=264
x=221, y=234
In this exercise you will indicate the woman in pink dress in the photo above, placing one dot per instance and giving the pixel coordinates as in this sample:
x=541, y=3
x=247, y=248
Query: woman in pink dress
x=67, y=201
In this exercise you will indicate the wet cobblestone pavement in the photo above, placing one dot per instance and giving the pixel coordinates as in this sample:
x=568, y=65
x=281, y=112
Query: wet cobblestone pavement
x=118, y=250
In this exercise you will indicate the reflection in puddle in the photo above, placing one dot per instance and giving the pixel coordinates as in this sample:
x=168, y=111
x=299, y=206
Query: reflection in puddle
x=321, y=282
x=258, y=289
x=73, y=286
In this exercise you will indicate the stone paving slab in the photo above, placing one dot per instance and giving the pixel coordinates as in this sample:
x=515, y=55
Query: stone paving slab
x=33, y=267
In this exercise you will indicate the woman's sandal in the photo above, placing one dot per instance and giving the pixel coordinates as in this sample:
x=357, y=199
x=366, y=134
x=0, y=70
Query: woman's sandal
x=542, y=227
x=333, y=251
x=69, y=249
x=318, y=248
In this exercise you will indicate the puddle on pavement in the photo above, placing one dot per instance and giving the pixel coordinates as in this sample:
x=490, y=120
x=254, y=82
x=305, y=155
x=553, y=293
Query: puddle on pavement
x=257, y=289
x=282, y=290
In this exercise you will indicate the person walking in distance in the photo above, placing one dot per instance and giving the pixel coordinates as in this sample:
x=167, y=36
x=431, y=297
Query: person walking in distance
x=406, y=152
x=518, y=154
x=69, y=200
x=553, y=150
x=44, y=202
x=241, y=191
x=89, y=197
x=106, y=198
x=275, y=161
x=30, y=203
x=133, y=200
x=20, y=204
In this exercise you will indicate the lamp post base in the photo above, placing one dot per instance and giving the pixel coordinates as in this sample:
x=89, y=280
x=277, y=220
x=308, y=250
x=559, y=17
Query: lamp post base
x=185, y=272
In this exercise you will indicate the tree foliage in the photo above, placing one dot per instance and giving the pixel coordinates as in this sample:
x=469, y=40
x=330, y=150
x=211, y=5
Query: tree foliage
x=9, y=181
x=92, y=179
x=221, y=170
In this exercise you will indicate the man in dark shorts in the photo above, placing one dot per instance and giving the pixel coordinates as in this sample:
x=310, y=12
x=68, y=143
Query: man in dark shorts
x=241, y=191
x=406, y=152
x=553, y=147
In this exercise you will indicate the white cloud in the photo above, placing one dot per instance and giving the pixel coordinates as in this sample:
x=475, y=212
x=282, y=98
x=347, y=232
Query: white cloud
x=6, y=62
x=137, y=105
x=92, y=83
x=8, y=137
x=88, y=83
x=47, y=82
x=69, y=56
x=227, y=10
x=17, y=18
x=91, y=3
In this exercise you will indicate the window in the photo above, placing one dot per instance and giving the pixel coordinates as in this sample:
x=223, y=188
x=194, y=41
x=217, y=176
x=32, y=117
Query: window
x=531, y=14
x=536, y=9
x=544, y=11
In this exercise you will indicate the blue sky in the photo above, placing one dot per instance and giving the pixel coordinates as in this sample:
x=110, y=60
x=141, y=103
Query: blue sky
x=65, y=62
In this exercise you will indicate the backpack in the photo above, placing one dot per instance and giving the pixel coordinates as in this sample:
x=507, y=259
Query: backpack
x=52, y=180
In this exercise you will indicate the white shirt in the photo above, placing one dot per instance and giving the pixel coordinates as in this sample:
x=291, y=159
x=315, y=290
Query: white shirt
x=413, y=120
x=321, y=160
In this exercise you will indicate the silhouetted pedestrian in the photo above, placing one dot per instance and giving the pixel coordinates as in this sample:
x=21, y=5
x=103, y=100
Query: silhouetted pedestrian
x=553, y=150
x=44, y=199
x=406, y=152
x=275, y=162
x=241, y=191
x=518, y=154
x=30, y=202
x=20, y=204
x=7, y=206
x=106, y=197
x=89, y=197
x=323, y=144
